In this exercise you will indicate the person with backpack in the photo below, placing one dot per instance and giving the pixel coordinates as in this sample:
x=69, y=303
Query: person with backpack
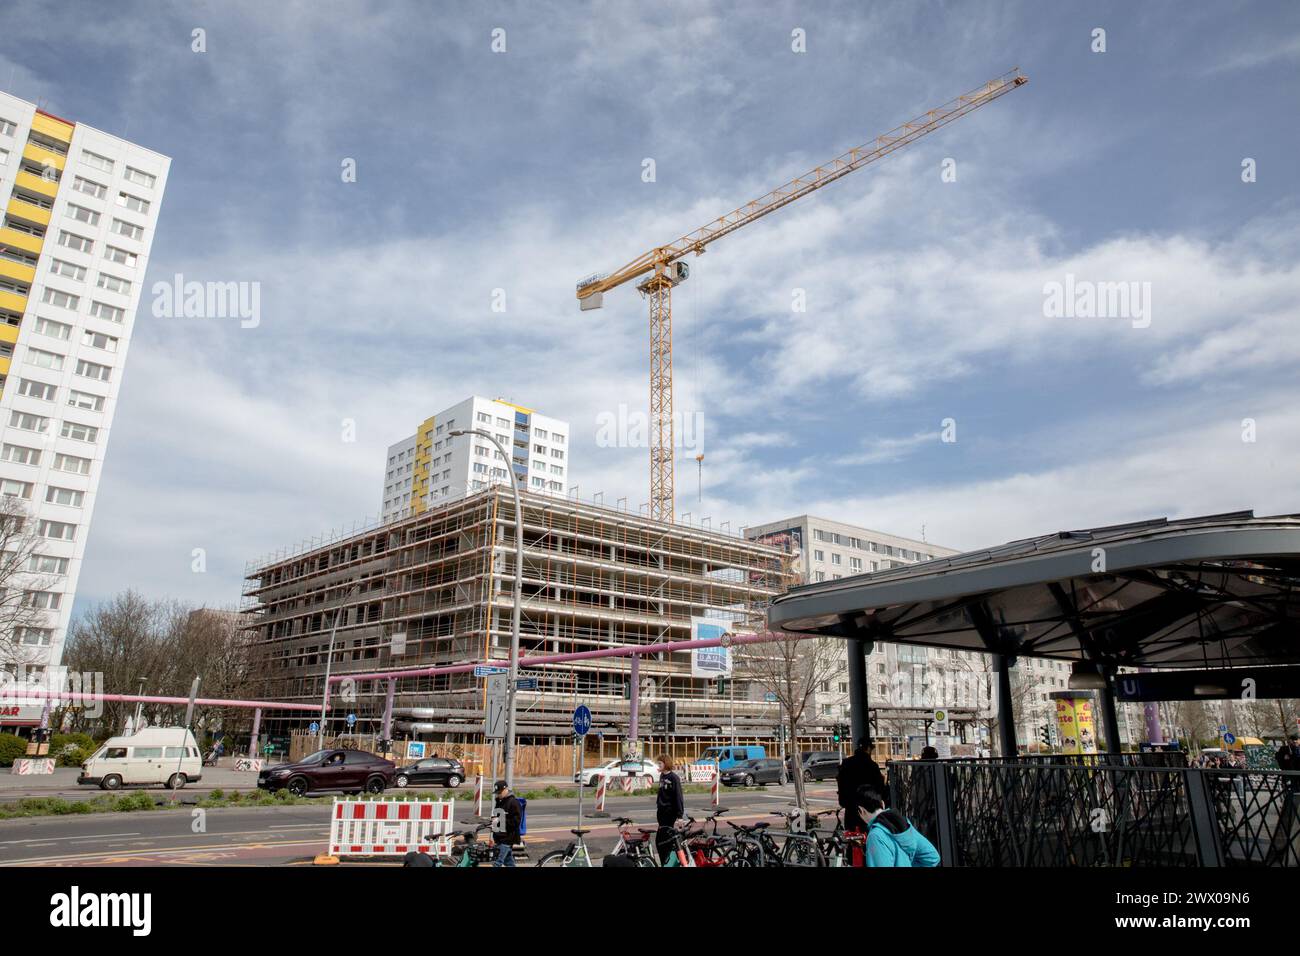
x=891, y=838
x=506, y=817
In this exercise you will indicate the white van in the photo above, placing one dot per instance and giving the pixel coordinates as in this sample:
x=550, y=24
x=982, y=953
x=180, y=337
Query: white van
x=156, y=755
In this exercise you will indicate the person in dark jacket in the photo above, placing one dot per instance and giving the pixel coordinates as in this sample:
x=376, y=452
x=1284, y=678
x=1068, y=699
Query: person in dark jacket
x=669, y=808
x=857, y=770
x=1288, y=755
x=929, y=753
x=506, y=817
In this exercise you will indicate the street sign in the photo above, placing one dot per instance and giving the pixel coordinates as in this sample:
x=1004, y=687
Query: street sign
x=940, y=718
x=498, y=696
x=1229, y=738
x=581, y=720
x=415, y=750
x=1223, y=728
x=352, y=719
x=313, y=727
x=526, y=683
x=485, y=670
x=770, y=697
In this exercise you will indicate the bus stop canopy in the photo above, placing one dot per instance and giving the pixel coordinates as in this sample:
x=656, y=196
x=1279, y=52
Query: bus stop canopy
x=1216, y=591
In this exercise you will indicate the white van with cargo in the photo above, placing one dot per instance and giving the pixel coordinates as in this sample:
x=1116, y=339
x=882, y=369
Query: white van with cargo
x=156, y=755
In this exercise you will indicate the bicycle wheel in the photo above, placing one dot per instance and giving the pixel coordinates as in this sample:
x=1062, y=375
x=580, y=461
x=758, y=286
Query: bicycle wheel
x=802, y=851
x=555, y=858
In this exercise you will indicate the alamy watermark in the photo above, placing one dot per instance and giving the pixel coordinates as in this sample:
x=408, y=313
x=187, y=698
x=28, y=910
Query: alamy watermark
x=625, y=428
x=179, y=299
x=1085, y=299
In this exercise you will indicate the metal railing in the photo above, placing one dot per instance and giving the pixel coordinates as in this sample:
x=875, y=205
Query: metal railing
x=1129, y=811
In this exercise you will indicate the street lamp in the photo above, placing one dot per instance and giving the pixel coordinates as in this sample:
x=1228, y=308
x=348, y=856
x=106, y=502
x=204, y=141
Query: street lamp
x=509, y=746
x=329, y=659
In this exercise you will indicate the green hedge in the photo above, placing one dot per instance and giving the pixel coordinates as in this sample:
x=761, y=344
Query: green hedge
x=11, y=748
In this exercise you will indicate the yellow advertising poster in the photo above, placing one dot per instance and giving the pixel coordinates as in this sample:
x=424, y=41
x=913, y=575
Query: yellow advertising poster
x=1075, y=726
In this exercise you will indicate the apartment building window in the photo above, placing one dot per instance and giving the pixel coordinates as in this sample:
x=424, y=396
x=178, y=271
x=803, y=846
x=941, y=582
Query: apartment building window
x=15, y=489
x=42, y=391
x=139, y=177
x=43, y=600
x=855, y=564
x=120, y=256
x=89, y=187
x=82, y=214
x=540, y=449
x=127, y=229
x=836, y=558
x=557, y=438
x=539, y=482
x=555, y=486
x=64, y=496
x=539, y=432
x=113, y=283
x=98, y=340
x=20, y=454
x=96, y=161
x=480, y=468
x=557, y=453
x=484, y=417
x=79, y=432
x=28, y=423
x=55, y=330
x=557, y=470
x=99, y=373
x=819, y=575
x=7, y=127
x=69, y=270
x=73, y=241
x=61, y=299
x=503, y=423
x=47, y=564
x=4, y=157
x=57, y=530
x=93, y=403
x=819, y=555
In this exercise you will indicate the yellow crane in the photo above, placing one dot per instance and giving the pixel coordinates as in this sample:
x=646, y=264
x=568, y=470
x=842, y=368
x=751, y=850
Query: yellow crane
x=663, y=267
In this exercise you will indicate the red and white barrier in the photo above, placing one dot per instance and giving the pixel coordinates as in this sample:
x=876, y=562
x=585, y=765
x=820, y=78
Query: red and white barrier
x=602, y=780
x=478, y=795
x=391, y=827
x=627, y=783
x=28, y=766
x=715, y=788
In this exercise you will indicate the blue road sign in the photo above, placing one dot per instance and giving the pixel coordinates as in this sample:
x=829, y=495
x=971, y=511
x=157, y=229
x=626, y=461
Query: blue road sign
x=581, y=720
x=352, y=719
x=484, y=670
x=526, y=683
x=313, y=727
x=770, y=697
x=1223, y=728
x=1229, y=738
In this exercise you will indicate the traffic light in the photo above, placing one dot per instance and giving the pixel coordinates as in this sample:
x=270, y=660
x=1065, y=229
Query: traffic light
x=724, y=685
x=837, y=733
x=1045, y=734
x=663, y=716
x=627, y=690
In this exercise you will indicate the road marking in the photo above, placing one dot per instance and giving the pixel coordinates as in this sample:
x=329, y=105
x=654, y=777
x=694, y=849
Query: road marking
x=98, y=836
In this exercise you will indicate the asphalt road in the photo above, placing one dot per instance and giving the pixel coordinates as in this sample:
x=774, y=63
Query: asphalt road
x=292, y=836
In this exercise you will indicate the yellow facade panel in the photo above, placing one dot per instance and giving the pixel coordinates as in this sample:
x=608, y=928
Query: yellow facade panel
x=4, y=365
x=20, y=240
x=16, y=270
x=37, y=184
x=13, y=301
x=28, y=212
x=46, y=157
x=54, y=128
x=8, y=333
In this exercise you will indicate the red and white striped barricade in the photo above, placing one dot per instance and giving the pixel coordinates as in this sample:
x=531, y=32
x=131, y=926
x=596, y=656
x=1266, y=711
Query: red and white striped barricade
x=628, y=782
x=28, y=766
x=391, y=827
x=601, y=781
x=715, y=788
x=478, y=795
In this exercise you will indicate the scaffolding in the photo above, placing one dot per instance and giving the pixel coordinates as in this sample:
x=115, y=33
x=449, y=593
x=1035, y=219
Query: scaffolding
x=437, y=588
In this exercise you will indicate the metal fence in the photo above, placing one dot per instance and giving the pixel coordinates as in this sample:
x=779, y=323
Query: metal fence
x=1100, y=812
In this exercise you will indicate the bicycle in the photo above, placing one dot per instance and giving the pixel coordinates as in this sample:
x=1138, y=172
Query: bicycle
x=575, y=854
x=799, y=849
x=838, y=847
x=638, y=848
x=709, y=849
x=469, y=852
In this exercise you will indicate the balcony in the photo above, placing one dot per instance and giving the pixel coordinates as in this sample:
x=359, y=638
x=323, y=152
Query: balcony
x=20, y=240
x=13, y=301
x=37, y=184
x=8, y=333
x=28, y=212
x=17, y=271
x=43, y=156
x=52, y=127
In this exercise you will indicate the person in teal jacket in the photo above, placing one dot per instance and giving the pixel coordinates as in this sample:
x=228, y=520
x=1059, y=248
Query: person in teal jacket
x=891, y=838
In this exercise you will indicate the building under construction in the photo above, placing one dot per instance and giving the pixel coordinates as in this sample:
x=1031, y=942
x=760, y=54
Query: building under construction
x=437, y=589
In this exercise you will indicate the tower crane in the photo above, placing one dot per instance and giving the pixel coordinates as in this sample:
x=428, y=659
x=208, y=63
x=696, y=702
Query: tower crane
x=663, y=267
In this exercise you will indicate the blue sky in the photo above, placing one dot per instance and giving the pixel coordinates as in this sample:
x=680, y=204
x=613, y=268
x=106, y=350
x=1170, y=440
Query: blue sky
x=522, y=171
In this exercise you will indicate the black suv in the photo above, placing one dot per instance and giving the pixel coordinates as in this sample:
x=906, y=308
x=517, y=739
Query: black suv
x=816, y=764
x=446, y=771
x=348, y=770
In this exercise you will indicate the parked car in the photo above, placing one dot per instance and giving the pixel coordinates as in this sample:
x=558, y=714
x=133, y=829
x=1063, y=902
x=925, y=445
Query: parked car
x=728, y=757
x=815, y=764
x=614, y=769
x=351, y=771
x=445, y=771
x=767, y=770
x=156, y=755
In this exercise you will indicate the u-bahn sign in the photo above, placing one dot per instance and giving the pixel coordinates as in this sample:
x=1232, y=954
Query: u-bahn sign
x=1232, y=683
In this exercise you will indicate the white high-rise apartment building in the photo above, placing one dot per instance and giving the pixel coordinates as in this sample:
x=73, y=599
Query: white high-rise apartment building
x=432, y=466
x=78, y=223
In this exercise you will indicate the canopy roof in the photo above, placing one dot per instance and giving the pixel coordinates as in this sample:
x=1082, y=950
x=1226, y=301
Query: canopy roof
x=1213, y=591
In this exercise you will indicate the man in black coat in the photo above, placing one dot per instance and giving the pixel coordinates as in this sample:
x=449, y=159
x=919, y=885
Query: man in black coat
x=856, y=771
x=506, y=817
x=1288, y=756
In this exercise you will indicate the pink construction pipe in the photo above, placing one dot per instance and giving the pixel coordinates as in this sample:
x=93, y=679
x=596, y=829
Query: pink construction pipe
x=39, y=693
x=638, y=650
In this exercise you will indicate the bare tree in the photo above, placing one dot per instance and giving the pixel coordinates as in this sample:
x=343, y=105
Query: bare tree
x=24, y=618
x=791, y=670
x=977, y=672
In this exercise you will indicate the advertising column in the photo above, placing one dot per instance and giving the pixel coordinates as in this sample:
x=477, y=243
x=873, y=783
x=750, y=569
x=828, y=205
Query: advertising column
x=1074, y=720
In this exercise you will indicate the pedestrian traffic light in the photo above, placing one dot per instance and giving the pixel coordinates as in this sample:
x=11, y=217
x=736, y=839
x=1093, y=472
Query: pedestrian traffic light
x=724, y=685
x=1045, y=734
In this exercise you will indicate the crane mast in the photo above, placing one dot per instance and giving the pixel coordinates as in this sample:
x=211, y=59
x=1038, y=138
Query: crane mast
x=663, y=268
